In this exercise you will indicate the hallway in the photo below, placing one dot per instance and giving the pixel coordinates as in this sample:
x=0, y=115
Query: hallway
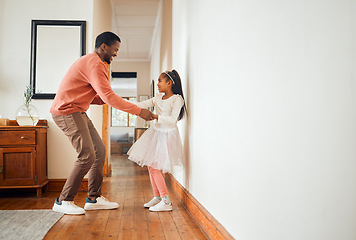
x=130, y=187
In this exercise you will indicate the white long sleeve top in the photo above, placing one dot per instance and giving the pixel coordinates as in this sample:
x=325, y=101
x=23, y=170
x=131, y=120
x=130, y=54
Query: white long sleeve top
x=167, y=109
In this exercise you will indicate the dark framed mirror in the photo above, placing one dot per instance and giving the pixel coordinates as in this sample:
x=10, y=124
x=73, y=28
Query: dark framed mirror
x=55, y=45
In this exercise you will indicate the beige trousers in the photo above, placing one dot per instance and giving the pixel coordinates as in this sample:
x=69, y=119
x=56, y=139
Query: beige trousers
x=91, y=154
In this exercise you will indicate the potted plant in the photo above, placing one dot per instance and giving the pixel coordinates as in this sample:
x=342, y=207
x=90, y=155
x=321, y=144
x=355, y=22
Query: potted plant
x=27, y=114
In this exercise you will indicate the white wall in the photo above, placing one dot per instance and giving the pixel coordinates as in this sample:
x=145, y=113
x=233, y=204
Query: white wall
x=155, y=63
x=166, y=35
x=15, y=37
x=282, y=73
x=353, y=35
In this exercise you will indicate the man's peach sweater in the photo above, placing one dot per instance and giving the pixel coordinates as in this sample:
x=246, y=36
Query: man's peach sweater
x=85, y=83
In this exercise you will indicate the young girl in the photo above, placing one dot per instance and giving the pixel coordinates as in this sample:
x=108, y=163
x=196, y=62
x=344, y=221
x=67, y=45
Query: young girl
x=160, y=148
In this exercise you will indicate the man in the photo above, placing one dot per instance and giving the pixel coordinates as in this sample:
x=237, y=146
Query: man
x=85, y=83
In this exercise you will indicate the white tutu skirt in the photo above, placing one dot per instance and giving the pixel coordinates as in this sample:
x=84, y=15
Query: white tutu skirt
x=159, y=148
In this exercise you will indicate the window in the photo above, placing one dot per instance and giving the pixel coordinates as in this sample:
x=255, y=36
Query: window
x=123, y=119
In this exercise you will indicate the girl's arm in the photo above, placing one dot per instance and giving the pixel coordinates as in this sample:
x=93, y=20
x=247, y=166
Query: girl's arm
x=173, y=118
x=146, y=104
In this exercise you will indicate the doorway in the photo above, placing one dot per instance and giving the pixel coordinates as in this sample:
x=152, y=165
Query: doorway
x=122, y=124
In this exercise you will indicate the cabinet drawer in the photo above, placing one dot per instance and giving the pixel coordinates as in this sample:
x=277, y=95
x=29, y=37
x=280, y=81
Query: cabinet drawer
x=17, y=138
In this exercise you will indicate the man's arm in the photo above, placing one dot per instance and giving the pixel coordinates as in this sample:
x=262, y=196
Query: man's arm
x=97, y=101
x=146, y=114
x=99, y=80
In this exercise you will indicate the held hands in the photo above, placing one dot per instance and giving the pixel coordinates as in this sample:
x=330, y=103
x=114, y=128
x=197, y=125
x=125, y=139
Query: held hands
x=147, y=115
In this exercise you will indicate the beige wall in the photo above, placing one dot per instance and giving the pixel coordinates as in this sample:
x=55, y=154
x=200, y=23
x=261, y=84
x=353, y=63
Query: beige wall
x=102, y=17
x=155, y=63
x=166, y=36
x=102, y=13
x=161, y=57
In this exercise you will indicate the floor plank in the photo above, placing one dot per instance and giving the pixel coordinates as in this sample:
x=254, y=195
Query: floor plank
x=130, y=187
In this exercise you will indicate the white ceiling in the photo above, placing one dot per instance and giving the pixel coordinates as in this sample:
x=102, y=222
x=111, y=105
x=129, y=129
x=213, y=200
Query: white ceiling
x=135, y=21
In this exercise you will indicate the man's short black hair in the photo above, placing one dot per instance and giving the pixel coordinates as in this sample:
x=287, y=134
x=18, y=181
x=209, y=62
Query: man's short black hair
x=108, y=38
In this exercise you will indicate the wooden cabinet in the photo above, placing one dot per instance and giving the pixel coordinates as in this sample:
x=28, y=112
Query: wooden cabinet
x=23, y=156
x=139, y=132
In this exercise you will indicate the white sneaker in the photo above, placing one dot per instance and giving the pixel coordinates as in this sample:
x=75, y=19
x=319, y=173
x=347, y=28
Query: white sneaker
x=154, y=201
x=99, y=204
x=67, y=207
x=161, y=207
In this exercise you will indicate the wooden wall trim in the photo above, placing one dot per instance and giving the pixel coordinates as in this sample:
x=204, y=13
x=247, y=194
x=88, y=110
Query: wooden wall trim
x=56, y=185
x=105, y=138
x=105, y=132
x=208, y=224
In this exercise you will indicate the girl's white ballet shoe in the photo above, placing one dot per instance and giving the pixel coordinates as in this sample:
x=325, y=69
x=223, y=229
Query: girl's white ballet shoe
x=153, y=202
x=161, y=207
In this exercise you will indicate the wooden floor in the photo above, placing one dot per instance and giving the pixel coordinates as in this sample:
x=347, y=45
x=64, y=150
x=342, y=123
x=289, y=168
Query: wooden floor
x=130, y=187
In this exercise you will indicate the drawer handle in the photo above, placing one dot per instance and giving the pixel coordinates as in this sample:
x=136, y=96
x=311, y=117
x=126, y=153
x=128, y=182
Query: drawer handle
x=22, y=137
